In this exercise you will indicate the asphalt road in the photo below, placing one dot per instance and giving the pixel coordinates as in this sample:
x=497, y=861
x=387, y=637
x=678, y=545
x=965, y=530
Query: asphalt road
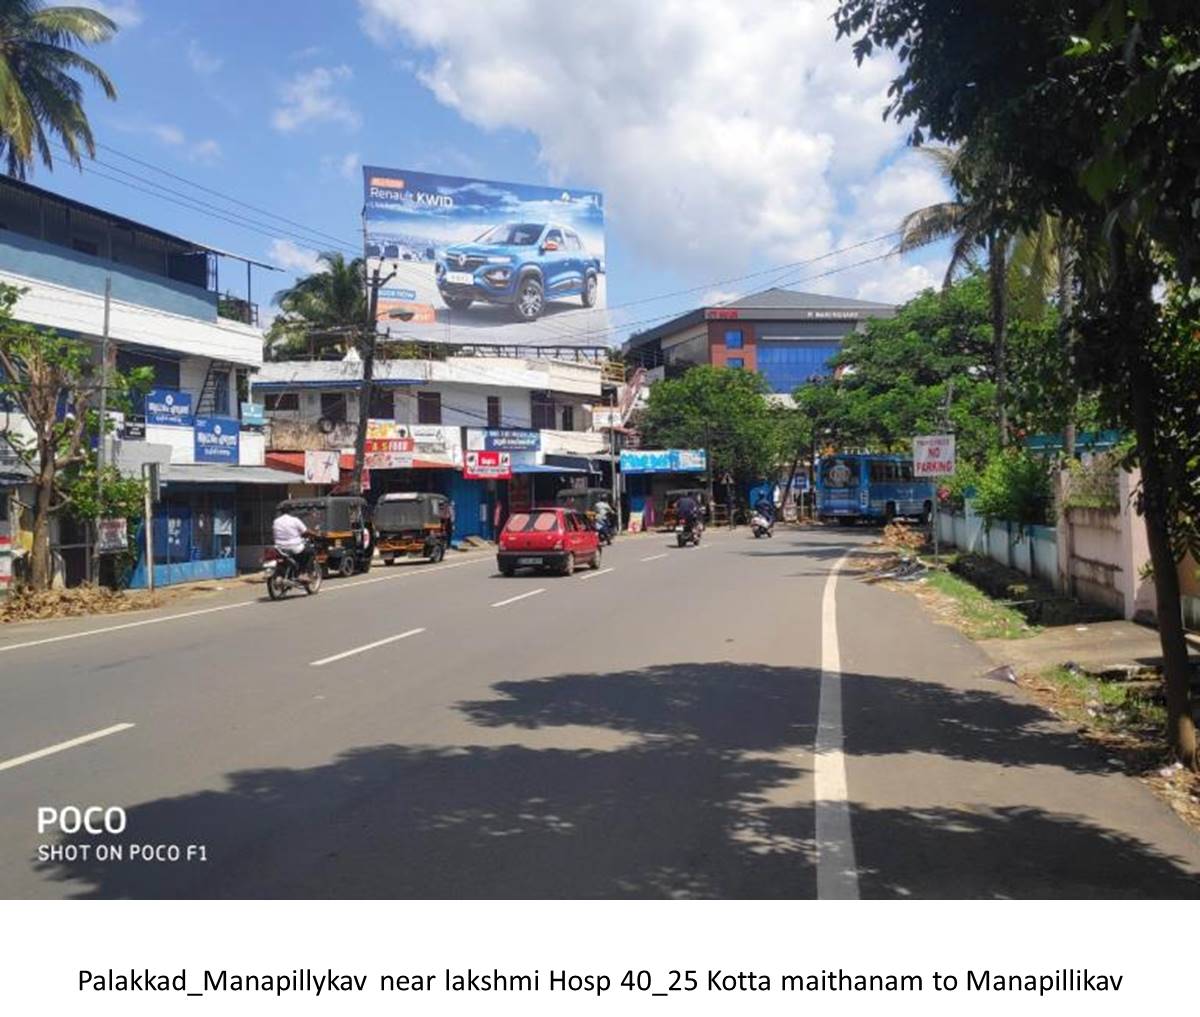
x=647, y=730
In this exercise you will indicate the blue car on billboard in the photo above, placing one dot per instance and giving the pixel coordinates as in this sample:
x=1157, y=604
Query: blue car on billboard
x=521, y=265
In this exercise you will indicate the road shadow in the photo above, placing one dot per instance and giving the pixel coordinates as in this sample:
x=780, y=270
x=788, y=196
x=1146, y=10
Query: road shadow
x=702, y=789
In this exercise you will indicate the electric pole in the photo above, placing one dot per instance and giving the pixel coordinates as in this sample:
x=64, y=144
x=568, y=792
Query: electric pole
x=368, y=365
x=102, y=426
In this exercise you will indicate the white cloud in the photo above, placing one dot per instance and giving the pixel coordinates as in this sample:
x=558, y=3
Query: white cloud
x=310, y=97
x=293, y=257
x=201, y=60
x=126, y=13
x=206, y=152
x=346, y=166
x=723, y=135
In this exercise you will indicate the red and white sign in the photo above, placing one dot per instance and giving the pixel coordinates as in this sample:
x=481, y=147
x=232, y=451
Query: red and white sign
x=486, y=465
x=933, y=455
x=389, y=453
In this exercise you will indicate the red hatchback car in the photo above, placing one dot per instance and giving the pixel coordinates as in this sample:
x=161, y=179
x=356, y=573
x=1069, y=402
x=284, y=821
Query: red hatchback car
x=547, y=538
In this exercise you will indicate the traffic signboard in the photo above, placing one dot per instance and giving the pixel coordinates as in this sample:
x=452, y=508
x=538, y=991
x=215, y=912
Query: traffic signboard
x=933, y=455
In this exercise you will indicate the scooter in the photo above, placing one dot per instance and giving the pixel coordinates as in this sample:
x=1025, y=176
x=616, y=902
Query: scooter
x=688, y=532
x=283, y=573
x=604, y=531
x=761, y=526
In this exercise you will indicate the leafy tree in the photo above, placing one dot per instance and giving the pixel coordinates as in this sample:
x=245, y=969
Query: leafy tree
x=53, y=383
x=1090, y=106
x=38, y=94
x=722, y=409
x=322, y=312
x=1014, y=485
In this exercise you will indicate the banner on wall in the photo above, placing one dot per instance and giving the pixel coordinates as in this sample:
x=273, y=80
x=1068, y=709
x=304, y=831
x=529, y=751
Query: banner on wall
x=169, y=407
x=321, y=467
x=504, y=439
x=667, y=460
x=486, y=256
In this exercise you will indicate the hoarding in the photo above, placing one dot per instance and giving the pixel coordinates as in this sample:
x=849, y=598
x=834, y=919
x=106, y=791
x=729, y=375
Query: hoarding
x=216, y=440
x=321, y=467
x=666, y=460
x=485, y=261
x=933, y=455
x=504, y=439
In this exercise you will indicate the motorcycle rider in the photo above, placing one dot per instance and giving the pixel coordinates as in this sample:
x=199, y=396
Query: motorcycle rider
x=765, y=507
x=687, y=511
x=604, y=516
x=291, y=534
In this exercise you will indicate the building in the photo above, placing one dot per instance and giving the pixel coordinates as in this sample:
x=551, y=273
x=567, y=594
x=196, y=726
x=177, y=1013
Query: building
x=786, y=336
x=165, y=313
x=430, y=414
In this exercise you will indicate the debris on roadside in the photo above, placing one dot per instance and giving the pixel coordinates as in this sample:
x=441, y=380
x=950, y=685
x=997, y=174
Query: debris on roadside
x=25, y=605
x=903, y=536
x=1003, y=673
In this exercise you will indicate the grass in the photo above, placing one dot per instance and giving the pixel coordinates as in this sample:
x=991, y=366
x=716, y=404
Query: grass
x=979, y=615
x=1109, y=705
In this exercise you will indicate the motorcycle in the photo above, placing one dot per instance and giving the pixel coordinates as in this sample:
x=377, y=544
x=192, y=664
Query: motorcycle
x=761, y=526
x=604, y=531
x=688, y=532
x=283, y=573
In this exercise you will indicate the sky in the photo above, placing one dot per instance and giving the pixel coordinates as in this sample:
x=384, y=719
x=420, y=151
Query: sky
x=737, y=143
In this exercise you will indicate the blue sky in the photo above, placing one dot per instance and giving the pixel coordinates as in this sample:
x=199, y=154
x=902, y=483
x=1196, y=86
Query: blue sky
x=726, y=137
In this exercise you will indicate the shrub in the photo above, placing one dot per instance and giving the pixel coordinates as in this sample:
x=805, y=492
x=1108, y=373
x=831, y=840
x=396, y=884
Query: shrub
x=1014, y=485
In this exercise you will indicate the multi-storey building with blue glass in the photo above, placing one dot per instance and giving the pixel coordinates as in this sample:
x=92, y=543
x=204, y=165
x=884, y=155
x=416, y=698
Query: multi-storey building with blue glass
x=786, y=336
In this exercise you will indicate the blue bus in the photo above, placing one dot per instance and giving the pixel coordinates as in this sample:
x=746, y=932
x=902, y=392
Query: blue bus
x=864, y=486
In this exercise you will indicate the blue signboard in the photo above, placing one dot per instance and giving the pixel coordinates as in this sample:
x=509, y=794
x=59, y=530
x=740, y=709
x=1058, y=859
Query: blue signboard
x=167, y=406
x=511, y=439
x=216, y=440
x=252, y=415
x=666, y=460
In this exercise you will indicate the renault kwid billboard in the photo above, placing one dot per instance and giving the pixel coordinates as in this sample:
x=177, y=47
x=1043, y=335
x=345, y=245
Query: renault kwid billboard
x=487, y=262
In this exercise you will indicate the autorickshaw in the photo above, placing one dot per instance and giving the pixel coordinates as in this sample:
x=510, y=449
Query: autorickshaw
x=344, y=521
x=584, y=499
x=411, y=523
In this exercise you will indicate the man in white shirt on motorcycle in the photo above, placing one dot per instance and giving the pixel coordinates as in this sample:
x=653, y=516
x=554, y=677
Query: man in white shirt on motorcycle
x=290, y=533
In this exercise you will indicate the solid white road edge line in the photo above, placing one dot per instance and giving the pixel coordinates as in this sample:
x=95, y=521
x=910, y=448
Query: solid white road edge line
x=29, y=757
x=593, y=575
x=363, y=649
x=655, y=557
x=126, y=625
x=837, y=871
x=522, y=596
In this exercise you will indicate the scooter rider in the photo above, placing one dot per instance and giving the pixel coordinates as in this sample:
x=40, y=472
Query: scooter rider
x=604, y=515
x=687, y=511
x=290, y=534
x=765, y=507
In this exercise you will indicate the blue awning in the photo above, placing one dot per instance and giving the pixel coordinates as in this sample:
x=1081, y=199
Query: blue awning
x=537, y=468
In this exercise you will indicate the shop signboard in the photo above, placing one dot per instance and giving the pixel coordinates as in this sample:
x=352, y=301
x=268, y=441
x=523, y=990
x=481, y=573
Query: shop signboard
x=169, y=407
x=667, y=460
x=388, y=453
x=504, y=439
x=435, y=445
x=464, y=252
x=252, y=415
x=481, y=464
x=933, y=455
x=134, y=429
x=321, y=467
x=216, y=440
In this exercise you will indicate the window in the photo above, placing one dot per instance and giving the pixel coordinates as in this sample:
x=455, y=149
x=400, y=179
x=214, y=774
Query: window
x=738, y=362
x=429, y=407
x=493, y=411
x=333, y=407
x=383, y=404
x=166, y=370
x=541, y=410
x=532, y=522
x=282, y=401
x=787, y=365
x=733, y=339
x=221, y=394
x=573, y=242
x=568, y=418
x=554, y=237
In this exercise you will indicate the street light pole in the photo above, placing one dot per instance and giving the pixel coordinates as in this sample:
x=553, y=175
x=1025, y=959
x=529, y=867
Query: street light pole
x=364, y=390
x=102, y=424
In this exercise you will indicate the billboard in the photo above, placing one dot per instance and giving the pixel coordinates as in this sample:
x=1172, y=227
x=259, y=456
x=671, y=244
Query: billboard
x=479, y=261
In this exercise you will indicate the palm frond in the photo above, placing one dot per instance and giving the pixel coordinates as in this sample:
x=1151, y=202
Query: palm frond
x=930, y=224
x=64, y=26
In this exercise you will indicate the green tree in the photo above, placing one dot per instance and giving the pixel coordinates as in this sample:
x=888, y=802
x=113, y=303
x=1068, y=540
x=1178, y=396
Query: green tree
x=39, y=96
x=1089, y=104
x=52, y=382
x=322, y=313
x=722, y=409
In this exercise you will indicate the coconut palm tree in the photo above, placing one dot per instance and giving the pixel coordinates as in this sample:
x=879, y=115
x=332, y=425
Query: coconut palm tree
x=966, y=221
x=40, y=97
x=321, y=311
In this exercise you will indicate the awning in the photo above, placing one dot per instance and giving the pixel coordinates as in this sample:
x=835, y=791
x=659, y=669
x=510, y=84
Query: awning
x=578, y=464
x=535, y=468
x=214, y=473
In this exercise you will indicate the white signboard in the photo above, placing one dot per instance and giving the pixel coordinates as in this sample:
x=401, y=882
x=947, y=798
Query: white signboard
x=933, y=455
x=321, y=467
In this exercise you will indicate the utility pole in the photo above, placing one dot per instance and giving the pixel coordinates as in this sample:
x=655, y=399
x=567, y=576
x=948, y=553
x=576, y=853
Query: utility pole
x=364, y=391
x=103, y=423
x=612, y=452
